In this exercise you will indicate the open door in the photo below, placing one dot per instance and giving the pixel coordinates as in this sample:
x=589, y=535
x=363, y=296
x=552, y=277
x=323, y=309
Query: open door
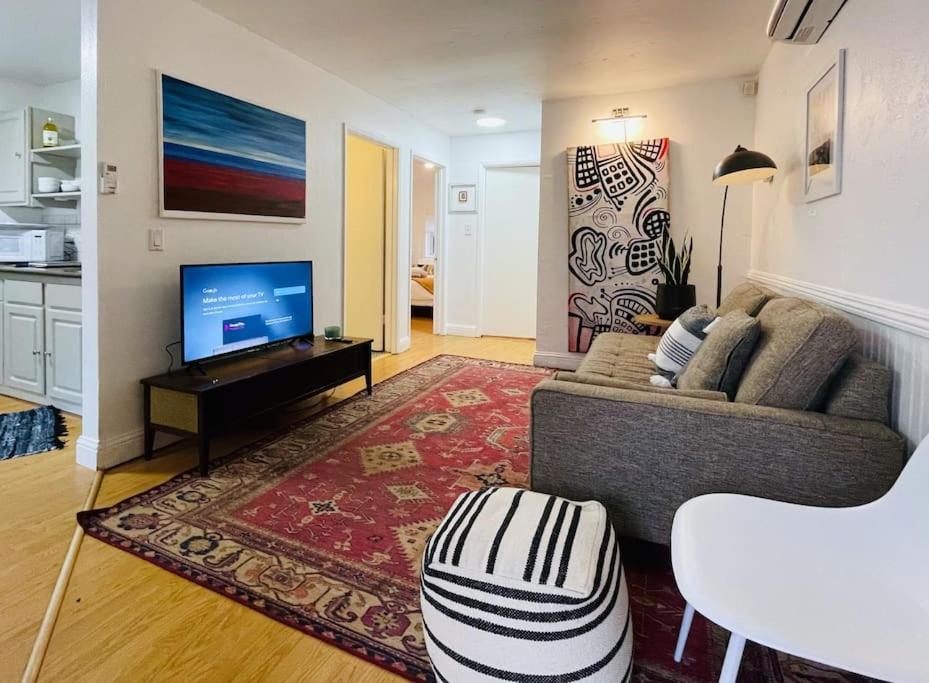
x=367, y=179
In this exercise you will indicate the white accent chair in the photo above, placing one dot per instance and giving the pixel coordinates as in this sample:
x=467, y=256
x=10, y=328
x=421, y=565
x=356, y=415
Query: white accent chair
x=845, y=587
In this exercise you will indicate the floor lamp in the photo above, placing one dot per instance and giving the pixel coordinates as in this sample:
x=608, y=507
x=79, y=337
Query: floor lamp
x=741, y=167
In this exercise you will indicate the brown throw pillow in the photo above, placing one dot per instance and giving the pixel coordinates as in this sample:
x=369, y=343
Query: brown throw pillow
x=721, y=359
x=801, y=347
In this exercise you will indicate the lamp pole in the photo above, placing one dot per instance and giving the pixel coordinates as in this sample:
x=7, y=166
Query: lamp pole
x=719, y=265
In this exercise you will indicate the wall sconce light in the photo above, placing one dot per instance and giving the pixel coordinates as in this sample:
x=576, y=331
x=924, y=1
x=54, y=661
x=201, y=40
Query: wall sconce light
x=621, y=116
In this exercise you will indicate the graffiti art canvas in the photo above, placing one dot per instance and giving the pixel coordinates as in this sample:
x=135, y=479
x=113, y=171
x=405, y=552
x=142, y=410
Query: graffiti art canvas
x=224, y=158
x=618, y=210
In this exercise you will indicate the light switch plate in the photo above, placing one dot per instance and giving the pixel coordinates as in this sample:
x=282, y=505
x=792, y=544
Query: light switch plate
x=156, y=239
x=467, y=230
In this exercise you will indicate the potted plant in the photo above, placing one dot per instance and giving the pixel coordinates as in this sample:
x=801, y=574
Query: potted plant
x=675, y=296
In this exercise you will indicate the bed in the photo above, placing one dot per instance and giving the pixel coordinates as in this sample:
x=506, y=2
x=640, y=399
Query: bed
x=422, y=286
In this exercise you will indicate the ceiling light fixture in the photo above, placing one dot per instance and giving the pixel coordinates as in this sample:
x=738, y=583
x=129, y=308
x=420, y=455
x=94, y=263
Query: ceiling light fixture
x=621, y=116
x=428, y=165
x=485, y=121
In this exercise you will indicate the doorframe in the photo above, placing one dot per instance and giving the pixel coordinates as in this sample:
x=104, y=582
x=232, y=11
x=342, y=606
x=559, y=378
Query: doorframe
x=392, y=219
x=479, y=230
x=438, y=303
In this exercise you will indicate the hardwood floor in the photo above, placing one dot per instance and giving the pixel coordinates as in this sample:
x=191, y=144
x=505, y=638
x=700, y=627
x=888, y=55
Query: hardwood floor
x=39, y=495
x=124, y=619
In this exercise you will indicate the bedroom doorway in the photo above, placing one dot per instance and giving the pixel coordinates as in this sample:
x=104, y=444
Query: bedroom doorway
x=370, y=239
x=425, y=220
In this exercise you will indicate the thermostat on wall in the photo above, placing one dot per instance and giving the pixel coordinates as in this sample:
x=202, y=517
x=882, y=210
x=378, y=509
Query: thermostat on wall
x=109, y=179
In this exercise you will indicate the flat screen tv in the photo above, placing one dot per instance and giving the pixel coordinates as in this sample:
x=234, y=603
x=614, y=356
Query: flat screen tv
x=235, y=307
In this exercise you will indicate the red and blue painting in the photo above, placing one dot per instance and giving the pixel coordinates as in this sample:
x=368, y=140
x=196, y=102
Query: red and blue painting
x=224, y=158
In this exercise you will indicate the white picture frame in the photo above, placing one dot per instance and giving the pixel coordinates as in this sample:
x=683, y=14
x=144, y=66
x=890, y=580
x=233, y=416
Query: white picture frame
x=462, y=198
x=824, y=132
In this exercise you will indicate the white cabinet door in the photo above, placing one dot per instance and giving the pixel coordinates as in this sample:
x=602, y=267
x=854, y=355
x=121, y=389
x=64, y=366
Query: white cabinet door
x=14, y=158
x=63, y=357
x=23, y=332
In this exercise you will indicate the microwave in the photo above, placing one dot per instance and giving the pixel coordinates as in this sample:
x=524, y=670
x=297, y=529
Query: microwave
x=19, y=245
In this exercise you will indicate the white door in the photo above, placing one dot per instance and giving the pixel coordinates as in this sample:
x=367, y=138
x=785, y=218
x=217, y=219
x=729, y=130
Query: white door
x=13, y=157
x=23, y=353
x=509, y=255
x=63, y=357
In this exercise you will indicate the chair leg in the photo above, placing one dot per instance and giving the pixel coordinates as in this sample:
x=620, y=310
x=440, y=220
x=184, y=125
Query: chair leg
x=685, y=631
x=733, y=659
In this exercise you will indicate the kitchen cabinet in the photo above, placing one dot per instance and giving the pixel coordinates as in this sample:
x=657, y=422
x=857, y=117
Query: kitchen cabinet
x=23, y=159
x=42, y=346
x=14, y=160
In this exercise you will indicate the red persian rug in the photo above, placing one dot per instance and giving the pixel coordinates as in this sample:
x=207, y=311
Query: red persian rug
x=320, y=526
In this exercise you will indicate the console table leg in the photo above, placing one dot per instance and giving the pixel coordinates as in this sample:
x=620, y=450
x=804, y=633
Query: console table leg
x=204, y=455
x=148, y=429
x=368, y=376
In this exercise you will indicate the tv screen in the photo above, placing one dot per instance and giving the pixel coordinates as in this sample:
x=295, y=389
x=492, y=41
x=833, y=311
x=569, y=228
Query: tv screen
x=227, y=308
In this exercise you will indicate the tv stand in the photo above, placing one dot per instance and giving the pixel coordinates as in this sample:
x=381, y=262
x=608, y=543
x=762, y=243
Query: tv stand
x=196, y=404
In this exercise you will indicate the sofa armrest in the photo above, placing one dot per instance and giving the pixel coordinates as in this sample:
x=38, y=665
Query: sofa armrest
x=645, y=453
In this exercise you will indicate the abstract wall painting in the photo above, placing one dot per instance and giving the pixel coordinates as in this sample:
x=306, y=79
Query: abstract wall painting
x=825, y=111
x=617, y=213
x=223, y=158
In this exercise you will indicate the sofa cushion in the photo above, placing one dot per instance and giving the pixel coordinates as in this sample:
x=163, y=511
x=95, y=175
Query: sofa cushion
x=861, y=391
x=801, y=347
x=747, y=297
x=721, y=359
x=621, y=356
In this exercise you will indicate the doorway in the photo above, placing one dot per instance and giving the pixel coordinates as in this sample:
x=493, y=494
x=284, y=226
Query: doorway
x=425, y=229
x=370, y=237
x=509, y=251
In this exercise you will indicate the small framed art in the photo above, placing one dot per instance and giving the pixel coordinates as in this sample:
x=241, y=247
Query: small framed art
x=462, y=198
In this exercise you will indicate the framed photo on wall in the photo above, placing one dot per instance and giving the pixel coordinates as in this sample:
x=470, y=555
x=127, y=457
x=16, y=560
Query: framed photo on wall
x=223, y=158
x=462, y=198
x=825, y=111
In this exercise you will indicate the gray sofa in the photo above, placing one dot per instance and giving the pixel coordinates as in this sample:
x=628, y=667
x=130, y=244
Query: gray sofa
x=605, y=433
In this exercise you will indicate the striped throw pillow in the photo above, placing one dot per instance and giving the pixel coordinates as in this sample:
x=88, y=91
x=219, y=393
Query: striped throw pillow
x=680, y=342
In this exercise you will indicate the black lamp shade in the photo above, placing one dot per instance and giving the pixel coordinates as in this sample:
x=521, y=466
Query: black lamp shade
x=744, y=166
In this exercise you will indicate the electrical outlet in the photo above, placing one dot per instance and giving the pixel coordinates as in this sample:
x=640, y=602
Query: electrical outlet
x=156, y=239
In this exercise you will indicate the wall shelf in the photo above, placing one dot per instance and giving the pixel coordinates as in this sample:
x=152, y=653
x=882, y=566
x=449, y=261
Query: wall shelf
x=68, y=151
x=58, y=196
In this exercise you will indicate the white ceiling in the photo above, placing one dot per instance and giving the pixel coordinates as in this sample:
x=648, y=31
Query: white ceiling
x=440, y=59
x=40, y=40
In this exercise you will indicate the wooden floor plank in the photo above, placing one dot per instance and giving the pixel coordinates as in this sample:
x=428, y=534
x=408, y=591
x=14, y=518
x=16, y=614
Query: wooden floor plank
x=39, y=495
x=125, y=619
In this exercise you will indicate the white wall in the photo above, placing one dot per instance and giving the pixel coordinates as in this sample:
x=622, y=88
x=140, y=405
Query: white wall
x=136, y=295
x=704, y=121
x=470, y=154
x=864, y=250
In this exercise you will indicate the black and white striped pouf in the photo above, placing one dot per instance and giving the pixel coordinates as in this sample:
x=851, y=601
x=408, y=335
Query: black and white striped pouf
x=523, y=586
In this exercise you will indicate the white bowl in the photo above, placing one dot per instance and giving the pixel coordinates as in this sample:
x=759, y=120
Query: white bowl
x=71, y=185
x=47, y=184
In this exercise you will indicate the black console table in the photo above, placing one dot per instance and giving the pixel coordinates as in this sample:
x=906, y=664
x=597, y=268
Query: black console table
x=188, y=403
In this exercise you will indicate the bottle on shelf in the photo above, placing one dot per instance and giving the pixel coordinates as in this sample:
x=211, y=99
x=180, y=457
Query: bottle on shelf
x=50, y=133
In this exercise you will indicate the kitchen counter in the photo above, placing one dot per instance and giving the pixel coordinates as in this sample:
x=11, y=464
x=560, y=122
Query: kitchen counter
x=71, y=272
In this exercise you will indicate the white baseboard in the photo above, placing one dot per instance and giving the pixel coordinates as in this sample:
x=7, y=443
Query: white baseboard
x=560, y=360
x=462, y=330
x=102, y=455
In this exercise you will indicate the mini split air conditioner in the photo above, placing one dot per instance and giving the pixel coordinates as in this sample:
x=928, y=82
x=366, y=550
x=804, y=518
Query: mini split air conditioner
x=802, y=21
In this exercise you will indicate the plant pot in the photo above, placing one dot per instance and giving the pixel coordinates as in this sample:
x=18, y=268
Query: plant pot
x=672, y=300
